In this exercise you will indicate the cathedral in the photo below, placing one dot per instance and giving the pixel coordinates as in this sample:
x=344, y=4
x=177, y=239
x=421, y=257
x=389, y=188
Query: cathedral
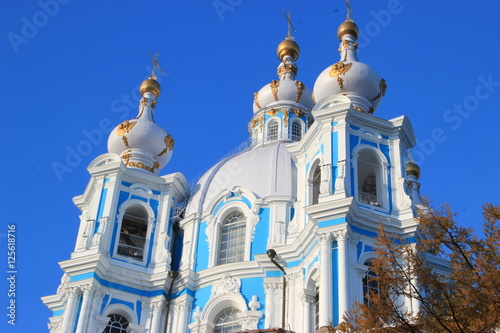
x=278, y=236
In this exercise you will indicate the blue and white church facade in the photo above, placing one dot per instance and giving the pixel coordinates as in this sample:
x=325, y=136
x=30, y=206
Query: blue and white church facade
x=320, y=175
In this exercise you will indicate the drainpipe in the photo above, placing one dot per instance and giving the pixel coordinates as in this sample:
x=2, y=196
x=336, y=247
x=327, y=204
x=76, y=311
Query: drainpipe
x=272, y=254
x=173, y=275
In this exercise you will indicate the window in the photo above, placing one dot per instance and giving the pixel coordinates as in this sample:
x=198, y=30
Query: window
x=272, y=130
x=370, y=284
x=133, y=233
x=296, y=130
x=227, y=321
x=117, y=324
x=316, y=183
x=316, y=310
x=232, y=238
x=369, y=178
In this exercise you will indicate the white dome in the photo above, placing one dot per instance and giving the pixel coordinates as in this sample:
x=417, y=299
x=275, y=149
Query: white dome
x=283, y=90
x=266, y=171
x=141, y=142
x=349, y=77
x=357, y=79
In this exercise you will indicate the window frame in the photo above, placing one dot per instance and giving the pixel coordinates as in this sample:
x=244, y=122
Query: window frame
x=270, y=121
x=241, y=224
x=301, y=128
x=236, y=325
x=122, y=329
x=381, y=171
x=214, y=238
x=149, y=220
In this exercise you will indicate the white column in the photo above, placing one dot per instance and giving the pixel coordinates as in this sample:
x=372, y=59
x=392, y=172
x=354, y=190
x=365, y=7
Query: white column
x=273, y=307
x=325, y=282
x=343, y=273
x=83, y=319
x=158, y=308
x=181, y=312
x=308, y=315
x=95, y=307
x=69, y=312
x=291, y=318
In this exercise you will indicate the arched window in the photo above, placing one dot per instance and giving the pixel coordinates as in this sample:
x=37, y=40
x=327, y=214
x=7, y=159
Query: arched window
x=232, y=238
x=133, y=233
x=296, y=130
x=316, y=183
x=117, y=324
x=369, y=178
x=227, y=321
x=272, y=130
x=370, y=284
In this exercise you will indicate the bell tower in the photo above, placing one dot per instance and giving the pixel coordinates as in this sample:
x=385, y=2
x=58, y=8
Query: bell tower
x=118, y=274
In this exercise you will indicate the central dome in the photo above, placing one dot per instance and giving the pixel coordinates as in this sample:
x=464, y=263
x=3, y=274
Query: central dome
x=266, y=171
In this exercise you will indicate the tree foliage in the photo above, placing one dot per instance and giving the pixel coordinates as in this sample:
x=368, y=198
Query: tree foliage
x=446, y=281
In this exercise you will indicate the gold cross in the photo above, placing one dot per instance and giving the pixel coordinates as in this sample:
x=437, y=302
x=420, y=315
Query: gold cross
x=349, y=11
x=290, y=25
x=156, y=66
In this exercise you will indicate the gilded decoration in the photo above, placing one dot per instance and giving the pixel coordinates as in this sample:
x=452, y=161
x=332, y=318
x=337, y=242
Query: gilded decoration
x=261, y=119
x=300, y=89
x=371, y=110
x=287, y=68
x=285, y=117
x=139, y=165
x=313, y=98
x=383, y=87
x=273, y=112
x=339, y=68
x=345, y=43
x=357, y=108
x=255, y=122
x=298, y=112
x=256, y=99
x=169, y=144
x=274, y=88
x=340, y=82
x=125, y=141
x=153, y=104
x=125, y=127
x=355, y=46
x=144, y=101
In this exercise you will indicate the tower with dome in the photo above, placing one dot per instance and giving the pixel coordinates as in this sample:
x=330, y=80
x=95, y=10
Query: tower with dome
x=285, y=242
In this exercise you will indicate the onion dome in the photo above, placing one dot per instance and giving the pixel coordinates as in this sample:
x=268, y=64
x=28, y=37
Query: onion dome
x=286, y=88
x=140, y=142
x=349, y=77
x=412, y=169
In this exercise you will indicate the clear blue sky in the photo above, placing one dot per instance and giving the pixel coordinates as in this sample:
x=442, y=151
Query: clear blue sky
x=67, y=71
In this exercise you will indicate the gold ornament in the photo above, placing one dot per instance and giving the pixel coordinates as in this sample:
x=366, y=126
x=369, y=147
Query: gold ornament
x=169, y=144
x=256, y=99
x=339, y=69
x=274, y=88
x=300, y=89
